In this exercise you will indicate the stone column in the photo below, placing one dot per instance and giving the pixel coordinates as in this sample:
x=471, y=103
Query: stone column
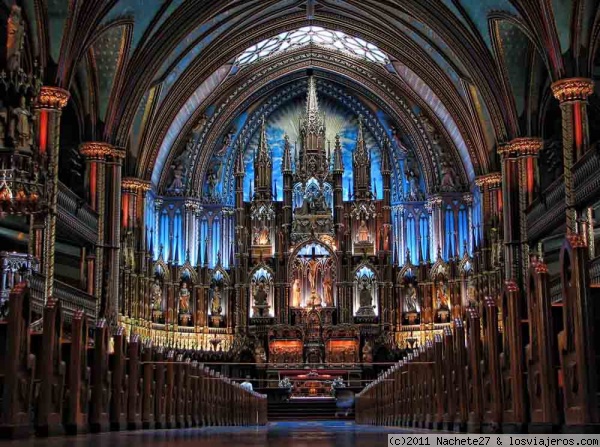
x=95, y=154
x=49, y=105
x=511, y=213
x=572, y=94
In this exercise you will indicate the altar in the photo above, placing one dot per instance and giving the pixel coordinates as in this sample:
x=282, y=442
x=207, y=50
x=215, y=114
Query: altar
x=314, y=383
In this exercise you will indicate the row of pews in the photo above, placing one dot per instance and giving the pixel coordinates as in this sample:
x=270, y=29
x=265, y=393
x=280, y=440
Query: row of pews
x=487, y=374
x=52, y=382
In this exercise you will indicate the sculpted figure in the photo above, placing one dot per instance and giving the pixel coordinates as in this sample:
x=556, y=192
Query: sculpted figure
x=448, y=182
x=184, y=299
x=296, y=299
x=156, y=296
x=412, y=176
x=365, y=297
x=443, y=300
x=260, y=296
x=15, y=39
x=363, y=232
x=367, y=352
x=21, y=130
x=411, y=303
x=216, y=308
x=328, y=291
x=313, y=267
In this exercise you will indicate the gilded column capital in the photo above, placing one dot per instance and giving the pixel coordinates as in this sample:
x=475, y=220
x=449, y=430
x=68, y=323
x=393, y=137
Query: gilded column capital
x=133, y=184
x=117, y=153
x=541, y=267
x=491, y=180
x=52, y=98
x=526, y=146
x=95, y=150
x=573, y=89
x=576, y=240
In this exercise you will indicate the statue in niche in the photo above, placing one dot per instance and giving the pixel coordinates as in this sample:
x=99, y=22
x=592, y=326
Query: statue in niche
x=296, y=298
x=264, y=237
x=411, y=303
x=442, y=298
x=200, y=124
x=363, y=232
x=184, y=299
x=328, y=291
x=215, y=308
x=365, y=297
x=226, y=143
x=260, y=296
x=212, y=179
x=412, y=177
x=3, y=123
x=178, y=170
x=156, y=296
x=21, y=126
x=448, y=182
x=15, y=39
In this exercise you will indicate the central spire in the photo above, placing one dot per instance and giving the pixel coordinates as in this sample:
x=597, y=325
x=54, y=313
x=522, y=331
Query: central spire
x=312, y=103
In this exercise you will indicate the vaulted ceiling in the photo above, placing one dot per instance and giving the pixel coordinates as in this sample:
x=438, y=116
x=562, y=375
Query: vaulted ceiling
x=143, y=72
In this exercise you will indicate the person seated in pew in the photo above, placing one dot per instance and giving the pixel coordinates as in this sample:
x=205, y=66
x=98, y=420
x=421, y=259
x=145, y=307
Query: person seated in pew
x=246, y=384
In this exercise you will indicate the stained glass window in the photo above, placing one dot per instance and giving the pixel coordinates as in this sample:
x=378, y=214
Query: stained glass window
x=315, y=35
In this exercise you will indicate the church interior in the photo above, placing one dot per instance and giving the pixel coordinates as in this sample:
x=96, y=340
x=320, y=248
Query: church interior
x=215, y=212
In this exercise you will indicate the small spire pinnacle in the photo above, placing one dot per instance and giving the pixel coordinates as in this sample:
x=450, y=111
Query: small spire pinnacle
x=287, y=155
x=338, y=162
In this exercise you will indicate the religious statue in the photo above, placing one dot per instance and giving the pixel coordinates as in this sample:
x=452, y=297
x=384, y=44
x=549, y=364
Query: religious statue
x=227, y=140
x=296, y=298
x=363, y=232
x=448, y=182
x=21, y=128
x=3, y=123
x=260, y=296
x=178, y=171
x=260, y=356
x=215, y=308
x=328, y=291
x=212, y=179
x=313, y=267
x=412, y=176
x=264, y=236
x=365, y=297
x=184, y=299
x=443, y=301
x=156, y=296
x=314, y=300
x=15, y=39
x=411, y=303
x=367, y=352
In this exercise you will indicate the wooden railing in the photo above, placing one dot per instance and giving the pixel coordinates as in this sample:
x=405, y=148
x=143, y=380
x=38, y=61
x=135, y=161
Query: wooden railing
x=76, y=214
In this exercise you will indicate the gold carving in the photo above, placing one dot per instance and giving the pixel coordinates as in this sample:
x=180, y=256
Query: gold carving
x=135, y=184
x=492, y=180
x=576, y=240
x=526, y=146
x=540, y=267
x=52, y=98
x=95, y=150
x=573, y=89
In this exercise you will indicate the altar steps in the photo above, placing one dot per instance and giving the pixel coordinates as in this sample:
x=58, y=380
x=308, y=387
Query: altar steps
x=306, y=410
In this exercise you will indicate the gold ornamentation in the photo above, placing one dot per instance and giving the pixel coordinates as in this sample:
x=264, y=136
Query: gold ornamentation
x=95, y=150
x=576, y=240
x=511, y=286
x=541, y=267
x=117, y=153
x=52, y=98
x=573, y=89
x=492, y=180
x=526, y=146
x=135, y=184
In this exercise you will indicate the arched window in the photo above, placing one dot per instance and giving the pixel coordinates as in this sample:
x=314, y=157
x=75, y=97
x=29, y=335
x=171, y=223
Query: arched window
x=164, y=240
x=450, y=231
x=424, y=233
x=411, y=237
x=463, y=229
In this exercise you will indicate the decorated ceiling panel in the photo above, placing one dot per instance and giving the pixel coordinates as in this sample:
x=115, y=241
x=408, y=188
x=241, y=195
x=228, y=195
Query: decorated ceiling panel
x=142, y=12
x=58, y=11
x=516, y=51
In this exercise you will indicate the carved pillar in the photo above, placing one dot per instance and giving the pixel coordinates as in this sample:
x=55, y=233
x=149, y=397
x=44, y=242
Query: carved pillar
x=95, y=154
x=112, y=246
x=491, y=198
x=527, y=150
x=49, y=105
x=511, y=212
x=572, y=94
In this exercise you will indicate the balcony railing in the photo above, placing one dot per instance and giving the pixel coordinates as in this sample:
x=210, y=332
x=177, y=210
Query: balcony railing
x=547, y=214
x=71, y=298
x=77, y=215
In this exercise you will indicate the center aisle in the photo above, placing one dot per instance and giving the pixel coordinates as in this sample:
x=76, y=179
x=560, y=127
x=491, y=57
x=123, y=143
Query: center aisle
x=275, y=434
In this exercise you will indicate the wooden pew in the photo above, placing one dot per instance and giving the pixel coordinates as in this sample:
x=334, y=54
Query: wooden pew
x=160, y=389
x=18, y=366
x=541, y=354
x=462, y=389
x=473, y=372
x=75, y=412
x=135, y=384
x=170, y=390
x=439, y=384
x=149, y=386
x=48, y=417
x=179, y=392
x=101, y=378
x=578, y=346
x=449, y=385
x=194, y=394
x=492, y=388
x=118, y=367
